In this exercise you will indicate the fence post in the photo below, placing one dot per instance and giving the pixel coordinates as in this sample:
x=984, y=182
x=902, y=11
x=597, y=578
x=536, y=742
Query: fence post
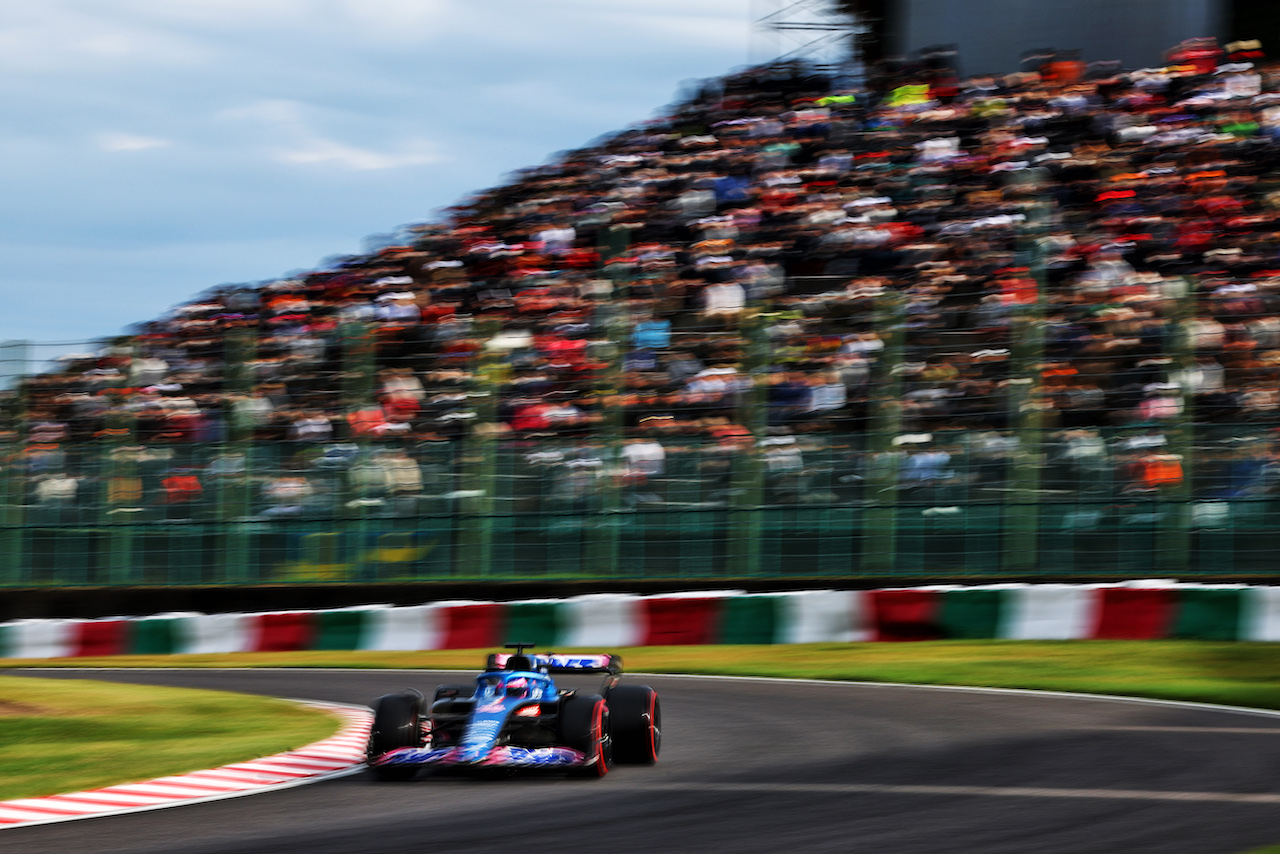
x=15, y=357
x=880, y=520
x=124, y=493
x=12, y=489
x=232, y=469
x=1175, y=524
x=1021, y=517
x=1026, y=360
x=359, y=363
x=478, y=467
x=604, y=520
x=746, y=494
x=121, y=498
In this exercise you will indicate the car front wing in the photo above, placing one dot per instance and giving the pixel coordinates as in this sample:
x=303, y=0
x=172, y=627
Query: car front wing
x=502, y=756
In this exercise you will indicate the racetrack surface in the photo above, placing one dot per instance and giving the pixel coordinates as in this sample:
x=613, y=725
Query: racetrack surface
x=763, y=766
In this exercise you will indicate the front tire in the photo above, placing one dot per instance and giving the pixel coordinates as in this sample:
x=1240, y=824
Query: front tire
x=396, y=723
x=636, y=716
x=585, y=726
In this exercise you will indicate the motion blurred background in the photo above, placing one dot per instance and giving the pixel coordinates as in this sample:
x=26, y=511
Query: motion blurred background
x=921, y=296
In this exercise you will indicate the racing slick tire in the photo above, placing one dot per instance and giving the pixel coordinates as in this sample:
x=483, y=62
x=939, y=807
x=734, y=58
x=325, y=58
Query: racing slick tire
x=636, y=718
x=396, y=723
x=585, y=726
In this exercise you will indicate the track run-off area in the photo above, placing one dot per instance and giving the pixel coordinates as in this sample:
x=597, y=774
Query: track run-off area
x=755, y=765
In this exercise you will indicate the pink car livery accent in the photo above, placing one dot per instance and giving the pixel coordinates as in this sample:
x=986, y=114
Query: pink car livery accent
x=506, y=755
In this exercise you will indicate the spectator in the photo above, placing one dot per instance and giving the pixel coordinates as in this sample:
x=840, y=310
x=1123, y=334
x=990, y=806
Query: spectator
x=921, y=239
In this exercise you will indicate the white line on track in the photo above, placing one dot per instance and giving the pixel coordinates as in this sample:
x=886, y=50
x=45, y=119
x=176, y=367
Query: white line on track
x=1227, y=730
x=963, y=791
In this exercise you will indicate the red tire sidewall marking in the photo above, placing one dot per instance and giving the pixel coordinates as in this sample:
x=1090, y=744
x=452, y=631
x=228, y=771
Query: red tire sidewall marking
x=653, y=722
x=597, y=732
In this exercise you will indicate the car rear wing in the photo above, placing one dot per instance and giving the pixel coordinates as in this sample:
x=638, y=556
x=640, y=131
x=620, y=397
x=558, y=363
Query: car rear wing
x=562, y=663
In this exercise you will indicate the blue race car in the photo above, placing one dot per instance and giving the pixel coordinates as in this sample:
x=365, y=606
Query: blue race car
x=516, y=717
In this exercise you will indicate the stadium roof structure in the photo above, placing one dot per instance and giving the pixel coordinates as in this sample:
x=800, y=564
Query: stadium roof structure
x=817, y=31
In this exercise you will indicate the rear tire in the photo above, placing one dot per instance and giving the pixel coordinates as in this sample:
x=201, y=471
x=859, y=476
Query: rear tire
x=585, y=726
x=396, y=723
x=636, y=716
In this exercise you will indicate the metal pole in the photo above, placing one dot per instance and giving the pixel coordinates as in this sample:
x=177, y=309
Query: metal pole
x=880, y=519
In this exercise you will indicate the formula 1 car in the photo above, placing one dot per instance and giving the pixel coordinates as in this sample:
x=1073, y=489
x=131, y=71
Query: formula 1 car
x=516, y=717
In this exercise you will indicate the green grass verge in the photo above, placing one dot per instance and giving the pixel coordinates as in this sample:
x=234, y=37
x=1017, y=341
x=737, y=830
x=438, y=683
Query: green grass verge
x=70, y=735
x=1244, y=674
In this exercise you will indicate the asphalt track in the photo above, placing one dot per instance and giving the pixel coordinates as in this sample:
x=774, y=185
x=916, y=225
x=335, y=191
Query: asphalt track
x=764, y=766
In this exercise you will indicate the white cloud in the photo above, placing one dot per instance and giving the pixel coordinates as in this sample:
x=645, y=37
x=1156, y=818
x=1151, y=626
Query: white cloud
x=213, y=13
x=129, y=142
x=327, y=151
x=56, y=37
x=399, y=20
x=292, y=137
x=278, y=112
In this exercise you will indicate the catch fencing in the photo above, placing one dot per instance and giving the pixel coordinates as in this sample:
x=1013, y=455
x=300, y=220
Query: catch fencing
x=1079, y=503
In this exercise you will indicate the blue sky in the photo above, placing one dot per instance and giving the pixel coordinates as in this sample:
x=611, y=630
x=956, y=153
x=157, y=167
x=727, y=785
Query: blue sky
x=153, y=148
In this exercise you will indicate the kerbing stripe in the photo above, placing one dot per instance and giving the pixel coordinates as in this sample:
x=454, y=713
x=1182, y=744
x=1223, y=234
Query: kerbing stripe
x=102, y=802
x=193, y=782
x=290, y=762
x=42, y=807
x=272, y=772
x=337, y=755
x=17, y=818
x=229, y=777
x=328, y=758
x=181, y=789
x=111, y=799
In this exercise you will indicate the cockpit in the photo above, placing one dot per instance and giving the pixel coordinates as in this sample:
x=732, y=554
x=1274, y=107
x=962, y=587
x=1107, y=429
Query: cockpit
x=492, y=686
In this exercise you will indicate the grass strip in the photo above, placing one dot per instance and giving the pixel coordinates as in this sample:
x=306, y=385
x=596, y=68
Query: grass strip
x=1228, y=672
x=70, y=735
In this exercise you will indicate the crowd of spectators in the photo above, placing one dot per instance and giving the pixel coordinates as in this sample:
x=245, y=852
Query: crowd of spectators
x=779, y=260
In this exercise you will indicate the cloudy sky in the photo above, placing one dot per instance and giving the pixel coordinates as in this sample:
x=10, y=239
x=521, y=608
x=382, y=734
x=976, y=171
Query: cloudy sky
x=153, y=148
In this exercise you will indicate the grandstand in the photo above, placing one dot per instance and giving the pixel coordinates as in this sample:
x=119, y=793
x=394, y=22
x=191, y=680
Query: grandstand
x=930, y=329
